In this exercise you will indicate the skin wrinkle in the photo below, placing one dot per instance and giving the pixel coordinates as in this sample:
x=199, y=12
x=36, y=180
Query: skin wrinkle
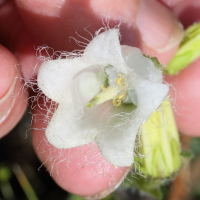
x=6, y=76
x=171, y=3
x=159, y=36
x=57, y=26
x=7, y=102
x=41, y=7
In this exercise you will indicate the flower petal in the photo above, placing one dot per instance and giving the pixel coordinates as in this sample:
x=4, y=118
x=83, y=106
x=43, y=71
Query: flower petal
x=112, y=75
x=141, y=65
x=150, y=96
x=87, y=83
x=117, y=138
x=64, y=130
x=105, y=50
x=55, y=77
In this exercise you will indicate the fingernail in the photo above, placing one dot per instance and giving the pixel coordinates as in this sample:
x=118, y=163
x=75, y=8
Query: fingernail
x=7, y=102
x=107, y=191
x=159, y=28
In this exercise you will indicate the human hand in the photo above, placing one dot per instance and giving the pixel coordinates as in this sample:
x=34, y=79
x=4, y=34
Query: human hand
x=51, y=23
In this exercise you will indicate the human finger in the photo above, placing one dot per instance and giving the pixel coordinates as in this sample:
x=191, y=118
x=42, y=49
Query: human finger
x=15, y=37
x=185, y=84
x=12, y=97
x=186, y=95
x=146, y=24
x=81, y=170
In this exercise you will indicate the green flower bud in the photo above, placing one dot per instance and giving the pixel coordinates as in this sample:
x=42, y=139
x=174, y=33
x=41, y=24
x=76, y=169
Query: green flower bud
x=159, y=152
x=188, y=51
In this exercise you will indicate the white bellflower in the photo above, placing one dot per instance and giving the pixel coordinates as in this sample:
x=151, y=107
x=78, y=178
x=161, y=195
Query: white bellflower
x=104, y=96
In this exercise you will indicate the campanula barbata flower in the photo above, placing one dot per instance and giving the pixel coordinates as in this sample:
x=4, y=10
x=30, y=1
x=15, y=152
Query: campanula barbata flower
x=103, y=96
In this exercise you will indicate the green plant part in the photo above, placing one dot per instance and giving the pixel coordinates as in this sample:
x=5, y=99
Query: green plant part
x=160, y=145
x=155, y=61
x=158, y=152
x=188, y=51
x=5, y=173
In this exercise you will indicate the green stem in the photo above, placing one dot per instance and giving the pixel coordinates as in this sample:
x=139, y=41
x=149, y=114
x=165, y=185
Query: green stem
x=23, y=181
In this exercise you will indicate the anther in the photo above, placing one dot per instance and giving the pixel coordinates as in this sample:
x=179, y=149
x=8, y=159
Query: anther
x=103, y=87
x=117, y=100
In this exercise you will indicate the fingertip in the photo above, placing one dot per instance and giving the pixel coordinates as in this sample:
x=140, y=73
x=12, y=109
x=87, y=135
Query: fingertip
x=12, y=104
x=7, y=70
x=81, y=170
x=165, y=57
x=185, y=96
x=159, y=28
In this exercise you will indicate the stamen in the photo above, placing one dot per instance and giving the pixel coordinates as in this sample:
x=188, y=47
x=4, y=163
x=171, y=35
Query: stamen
x=116, y=92
x=118, y=99
x=103, y=87
x=119, y=81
